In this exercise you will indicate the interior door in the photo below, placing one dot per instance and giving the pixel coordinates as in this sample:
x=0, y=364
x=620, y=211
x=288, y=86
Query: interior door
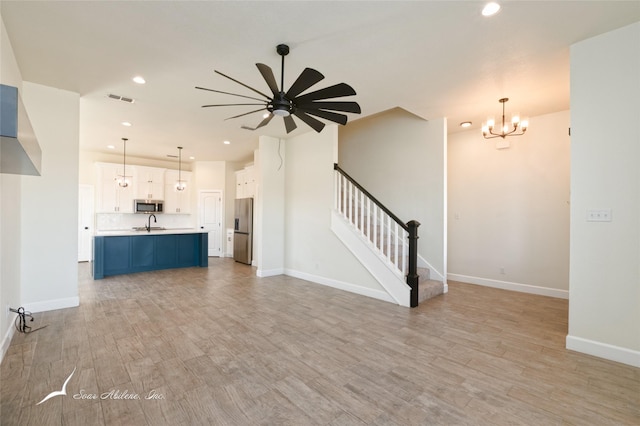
x=85, y=222
x=210, y=206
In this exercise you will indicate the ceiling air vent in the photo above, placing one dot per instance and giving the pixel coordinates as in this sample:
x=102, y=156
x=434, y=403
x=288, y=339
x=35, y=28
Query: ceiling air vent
x=121, y=98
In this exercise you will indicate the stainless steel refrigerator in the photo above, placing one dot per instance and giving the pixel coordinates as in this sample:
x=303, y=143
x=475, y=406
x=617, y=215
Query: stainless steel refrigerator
x=243, y=231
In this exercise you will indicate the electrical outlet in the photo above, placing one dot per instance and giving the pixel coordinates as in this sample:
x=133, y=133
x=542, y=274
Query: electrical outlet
x=502, y=270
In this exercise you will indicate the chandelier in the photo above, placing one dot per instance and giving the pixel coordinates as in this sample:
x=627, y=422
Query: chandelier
x=180, y=184
x=123, y=180
x=506, y=129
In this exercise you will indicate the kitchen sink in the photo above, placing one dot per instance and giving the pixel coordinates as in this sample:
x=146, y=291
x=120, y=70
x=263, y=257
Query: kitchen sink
x=153, y=228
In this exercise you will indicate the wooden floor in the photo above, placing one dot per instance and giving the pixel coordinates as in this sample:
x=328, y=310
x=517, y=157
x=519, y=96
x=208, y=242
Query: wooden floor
x=220, y=346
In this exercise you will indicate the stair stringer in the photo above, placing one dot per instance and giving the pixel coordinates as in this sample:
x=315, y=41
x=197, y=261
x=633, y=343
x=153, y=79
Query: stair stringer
x=377, y=265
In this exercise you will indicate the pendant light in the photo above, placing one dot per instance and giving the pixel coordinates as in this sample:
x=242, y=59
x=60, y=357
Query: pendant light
x=123, y=182
x=180, y=184
x=505, y=129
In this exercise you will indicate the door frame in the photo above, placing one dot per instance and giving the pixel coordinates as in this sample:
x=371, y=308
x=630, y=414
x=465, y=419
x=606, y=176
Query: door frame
x=92, y=209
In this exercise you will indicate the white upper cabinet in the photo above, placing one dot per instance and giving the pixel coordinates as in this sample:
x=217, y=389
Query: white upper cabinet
x=177, y=201
x=245, y=183
x=111, y=197
x=149, y=183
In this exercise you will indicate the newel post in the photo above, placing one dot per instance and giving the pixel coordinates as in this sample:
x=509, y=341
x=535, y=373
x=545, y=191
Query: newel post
x=412, y=276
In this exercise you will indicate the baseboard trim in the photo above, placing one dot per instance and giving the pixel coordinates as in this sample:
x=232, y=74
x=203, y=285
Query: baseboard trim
x=262, y=273
x=604, y=350
x=506, y=285
x=52, y=305
x=6, y=340
x=341, y=285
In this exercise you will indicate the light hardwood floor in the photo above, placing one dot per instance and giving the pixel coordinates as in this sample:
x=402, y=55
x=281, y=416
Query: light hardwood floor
x=224, y=347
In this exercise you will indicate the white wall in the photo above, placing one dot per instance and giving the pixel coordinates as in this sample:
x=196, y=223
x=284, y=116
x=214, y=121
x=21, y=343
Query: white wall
x=49, y=249
x=10, y=212
x=401, y=160
x=508, y=219
x=269, y=205
x=312, y=250
x=604, y=302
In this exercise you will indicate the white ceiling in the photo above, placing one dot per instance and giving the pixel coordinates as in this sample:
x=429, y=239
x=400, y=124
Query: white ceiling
x=433, y=58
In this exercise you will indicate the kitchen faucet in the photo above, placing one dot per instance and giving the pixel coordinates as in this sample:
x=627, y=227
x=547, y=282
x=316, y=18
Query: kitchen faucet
x=154, y=221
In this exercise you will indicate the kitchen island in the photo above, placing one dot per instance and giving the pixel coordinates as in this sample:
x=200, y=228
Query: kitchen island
x=125, y=252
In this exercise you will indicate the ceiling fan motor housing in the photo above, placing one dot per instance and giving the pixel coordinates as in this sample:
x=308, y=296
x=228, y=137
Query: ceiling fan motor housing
x=281, y=106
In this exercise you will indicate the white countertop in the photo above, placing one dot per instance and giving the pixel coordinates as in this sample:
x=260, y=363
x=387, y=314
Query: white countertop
x=131, y=232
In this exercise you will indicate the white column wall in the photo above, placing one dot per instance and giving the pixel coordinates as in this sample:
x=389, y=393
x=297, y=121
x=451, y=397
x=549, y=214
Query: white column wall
x=49, y=204
x=269, y=206
x=313, y=252
x=10, y=193
x=604, y=299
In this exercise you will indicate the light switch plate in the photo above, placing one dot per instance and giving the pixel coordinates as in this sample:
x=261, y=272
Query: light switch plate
x=599, y=215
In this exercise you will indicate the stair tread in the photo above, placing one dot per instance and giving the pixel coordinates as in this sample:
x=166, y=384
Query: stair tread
x=429, y=288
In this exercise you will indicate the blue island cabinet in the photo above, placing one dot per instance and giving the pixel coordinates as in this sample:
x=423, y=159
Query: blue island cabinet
x=124, y=254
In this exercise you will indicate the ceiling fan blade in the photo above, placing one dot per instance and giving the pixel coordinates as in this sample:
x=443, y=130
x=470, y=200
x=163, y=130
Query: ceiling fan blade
x=246, y=113
x=227, y=93
x=217, y=105
x=316, y=125
x=336, y=91
x=327, y=115
x=335, y=106
x=289, y=124
x=308, y=78
x=265, y=121
x=242, y=84
x=267, y=74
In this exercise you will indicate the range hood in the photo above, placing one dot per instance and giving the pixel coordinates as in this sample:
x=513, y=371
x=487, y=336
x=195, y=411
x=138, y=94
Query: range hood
x=20, y=153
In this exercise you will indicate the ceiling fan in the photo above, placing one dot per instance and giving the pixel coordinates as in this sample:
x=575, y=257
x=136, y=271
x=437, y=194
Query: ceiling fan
x=293, y=102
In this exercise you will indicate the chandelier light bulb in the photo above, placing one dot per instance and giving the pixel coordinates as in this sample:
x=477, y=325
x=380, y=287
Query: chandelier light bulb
x=515, y=128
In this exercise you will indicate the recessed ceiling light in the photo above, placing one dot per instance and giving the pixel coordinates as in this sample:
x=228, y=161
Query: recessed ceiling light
x=192, y=158
x=111, y=147
x=227, y=142
x=126, y=123
x=465, y=124
x=490, y=9
x=138, y=79
x=265, y=115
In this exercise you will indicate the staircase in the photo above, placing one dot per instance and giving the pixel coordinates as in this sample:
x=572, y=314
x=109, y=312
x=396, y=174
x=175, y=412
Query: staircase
x=383, y=243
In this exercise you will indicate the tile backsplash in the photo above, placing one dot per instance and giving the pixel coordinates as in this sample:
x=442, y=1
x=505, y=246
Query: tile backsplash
x=126, y=221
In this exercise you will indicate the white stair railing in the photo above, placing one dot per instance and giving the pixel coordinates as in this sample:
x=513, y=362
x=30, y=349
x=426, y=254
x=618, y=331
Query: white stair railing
x=387, y=235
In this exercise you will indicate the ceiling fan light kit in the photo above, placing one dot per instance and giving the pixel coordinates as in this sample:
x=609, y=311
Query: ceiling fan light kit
x=292, y=102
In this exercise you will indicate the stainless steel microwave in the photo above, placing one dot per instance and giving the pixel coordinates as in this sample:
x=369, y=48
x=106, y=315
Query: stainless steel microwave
x=147, y=206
